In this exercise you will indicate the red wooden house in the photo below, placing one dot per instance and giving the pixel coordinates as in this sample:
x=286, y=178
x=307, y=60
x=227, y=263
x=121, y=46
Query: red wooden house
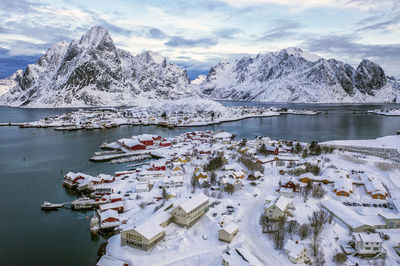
x=158, y=165
x=147, y=140
x=165, y=143
x=131, y=144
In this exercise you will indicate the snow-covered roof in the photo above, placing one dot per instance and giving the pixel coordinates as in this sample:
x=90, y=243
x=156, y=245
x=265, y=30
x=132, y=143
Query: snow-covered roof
x=281, y=203
x=344, y=184
x=294, y=249
x=271, y=148
x=230, y=228
x=117, y=204
x=222, y=135
x=130, y=142
x=194, y=202
x=146, y=137
x=365, y=237
x=249, y=257
x=158, y=163
x=106, y=260
x=389, y=215
x=149, y=229
x=346, y=214
x=107, y=214
x=105, y=177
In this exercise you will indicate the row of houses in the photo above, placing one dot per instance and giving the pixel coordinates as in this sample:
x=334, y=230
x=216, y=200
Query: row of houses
x=141, y=142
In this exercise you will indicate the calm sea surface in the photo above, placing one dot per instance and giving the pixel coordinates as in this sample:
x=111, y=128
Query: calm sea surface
x=33, y=162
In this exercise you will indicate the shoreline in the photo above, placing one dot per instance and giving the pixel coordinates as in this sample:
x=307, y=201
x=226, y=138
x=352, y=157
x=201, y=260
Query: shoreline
x=72, y=127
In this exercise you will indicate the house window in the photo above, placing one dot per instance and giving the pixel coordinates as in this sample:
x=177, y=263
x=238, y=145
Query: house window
x=376, y=248
x=368, y=248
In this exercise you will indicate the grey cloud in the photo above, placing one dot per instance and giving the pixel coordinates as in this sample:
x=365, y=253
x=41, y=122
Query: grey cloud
x=226, y=33
x=382, y=25
x=282, y=28
x=346, y=46
x=154, y=33
x=177, y=41
x=18, y=6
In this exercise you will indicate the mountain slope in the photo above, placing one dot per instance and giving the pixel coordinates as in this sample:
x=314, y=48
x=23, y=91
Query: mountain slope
x=93, y=72
x=292, y=75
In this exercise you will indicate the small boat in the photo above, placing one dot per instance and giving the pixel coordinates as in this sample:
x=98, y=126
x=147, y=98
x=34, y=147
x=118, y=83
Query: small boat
x=50, y=206
x=94, y=224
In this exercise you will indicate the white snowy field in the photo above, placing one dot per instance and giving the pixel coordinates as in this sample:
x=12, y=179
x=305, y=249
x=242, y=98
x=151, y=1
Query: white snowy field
x=390, y=142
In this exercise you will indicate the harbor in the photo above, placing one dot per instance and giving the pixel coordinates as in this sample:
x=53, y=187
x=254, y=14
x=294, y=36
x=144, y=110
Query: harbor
x=38, y=162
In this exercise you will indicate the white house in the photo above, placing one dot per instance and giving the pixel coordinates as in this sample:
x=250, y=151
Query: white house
x=277, y=208
x=367, y=244
x=144, y=236
x=188, y=212
x=228, y=232
x=297, y=253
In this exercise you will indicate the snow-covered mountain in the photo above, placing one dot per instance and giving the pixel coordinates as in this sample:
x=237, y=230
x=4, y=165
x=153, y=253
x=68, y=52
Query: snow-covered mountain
x=293, y=75
x=93, y=72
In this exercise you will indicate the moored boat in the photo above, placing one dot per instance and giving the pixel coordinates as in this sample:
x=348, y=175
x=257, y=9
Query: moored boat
x=50, y=206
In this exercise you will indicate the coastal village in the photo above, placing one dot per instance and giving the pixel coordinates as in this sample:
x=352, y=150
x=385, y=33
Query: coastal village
x=199, y=112
x=205, y=197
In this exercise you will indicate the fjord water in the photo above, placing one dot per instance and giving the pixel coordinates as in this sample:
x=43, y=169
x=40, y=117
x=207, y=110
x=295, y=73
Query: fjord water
x=33, y=162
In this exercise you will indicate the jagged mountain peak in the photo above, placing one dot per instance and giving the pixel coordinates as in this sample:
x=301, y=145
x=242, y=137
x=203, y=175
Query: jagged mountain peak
x=298, y=52
x=93, y=72
x=294, y=75
x=95, y=36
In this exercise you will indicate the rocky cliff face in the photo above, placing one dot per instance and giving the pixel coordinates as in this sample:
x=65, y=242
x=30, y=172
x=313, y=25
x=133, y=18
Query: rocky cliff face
x=93, y=72
x=292, y=75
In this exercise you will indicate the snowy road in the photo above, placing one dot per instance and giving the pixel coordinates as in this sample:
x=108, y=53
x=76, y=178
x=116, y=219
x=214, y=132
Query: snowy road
x=262, y=246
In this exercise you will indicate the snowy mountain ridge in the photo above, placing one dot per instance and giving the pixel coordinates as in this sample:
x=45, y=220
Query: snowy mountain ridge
x=292, y=75
x=93, y=72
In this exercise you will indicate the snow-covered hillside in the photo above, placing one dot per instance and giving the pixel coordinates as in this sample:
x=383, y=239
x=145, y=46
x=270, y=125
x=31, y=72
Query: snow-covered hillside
x=93, y=72
x=292, y=75
x=185, y=105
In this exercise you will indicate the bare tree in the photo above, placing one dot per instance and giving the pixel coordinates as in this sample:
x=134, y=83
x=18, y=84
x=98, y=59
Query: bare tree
x=304, y=231
x=292, y=226
x=265, y=223
x=340, y=258
x=165, y=194
x=229, y=188
x=317, y=220
x=213, y=178
x=318, y=191
x=319, y=260
x=194, y=182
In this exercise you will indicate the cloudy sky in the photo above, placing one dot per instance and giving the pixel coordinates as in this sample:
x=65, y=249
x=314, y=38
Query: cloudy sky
x=198, y=34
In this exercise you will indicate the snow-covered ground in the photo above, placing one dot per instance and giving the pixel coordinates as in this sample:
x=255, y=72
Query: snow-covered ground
x=389, y=142
x=199, y=245
x=388, y=112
